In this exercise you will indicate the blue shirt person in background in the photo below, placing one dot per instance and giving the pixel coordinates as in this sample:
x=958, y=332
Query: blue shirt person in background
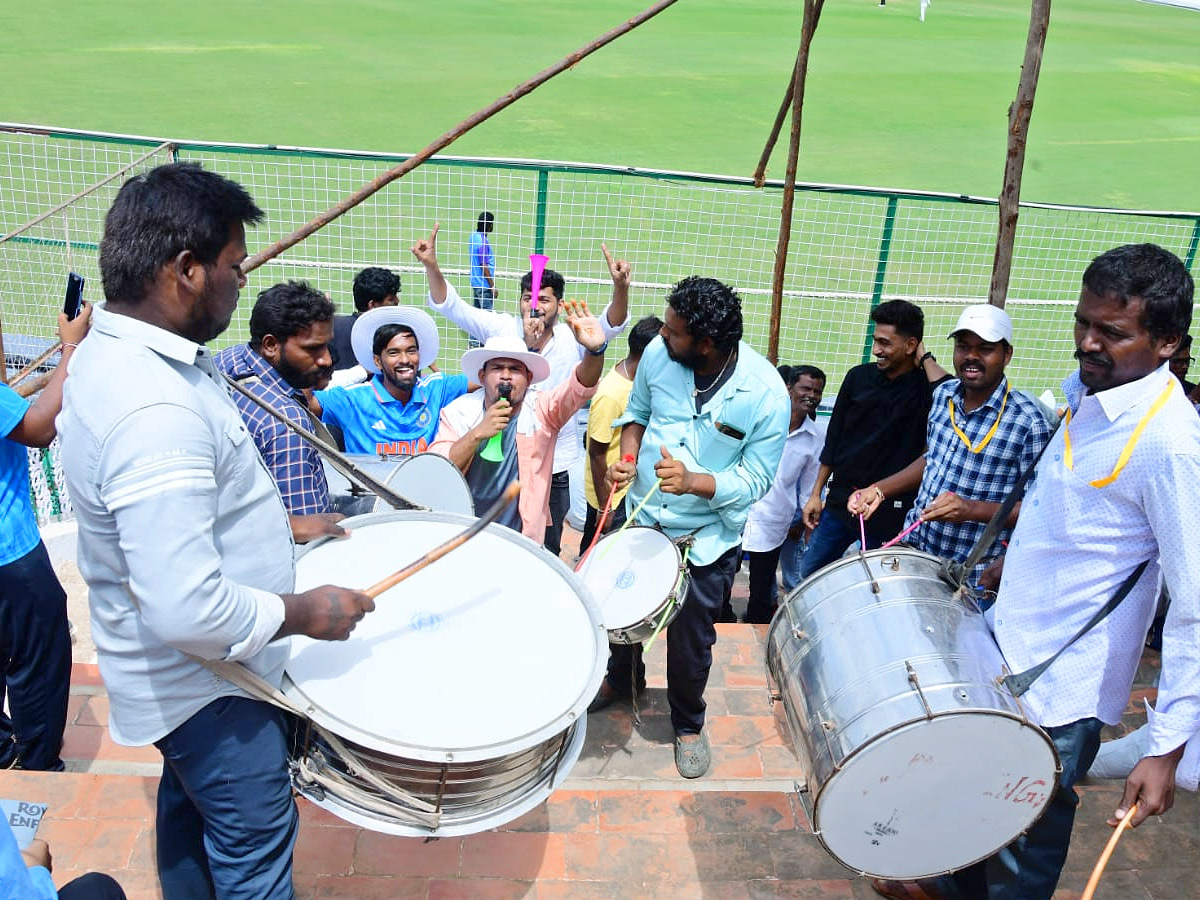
x=396, y=412
x=35, y=639
x=288, y=353
x=706, y=423
x=483, y=262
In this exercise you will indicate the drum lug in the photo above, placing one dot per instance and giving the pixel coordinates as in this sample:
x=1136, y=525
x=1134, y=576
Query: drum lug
x=774, y=697
x=804, y=796
x=916, y=683
x=799, y=633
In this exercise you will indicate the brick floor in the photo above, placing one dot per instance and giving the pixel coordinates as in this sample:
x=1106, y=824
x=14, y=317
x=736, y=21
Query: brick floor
x=623, y=826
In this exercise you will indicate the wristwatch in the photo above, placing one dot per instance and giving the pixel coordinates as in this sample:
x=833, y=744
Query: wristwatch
x=928, y=355
x=599, y=351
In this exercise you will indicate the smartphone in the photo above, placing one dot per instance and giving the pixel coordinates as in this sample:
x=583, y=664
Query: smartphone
x=74, y=299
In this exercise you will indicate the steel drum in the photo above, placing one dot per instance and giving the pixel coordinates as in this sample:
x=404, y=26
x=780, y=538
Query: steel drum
x=638, y=578
x=918, y=761
x=460, y=703
x=426, y=479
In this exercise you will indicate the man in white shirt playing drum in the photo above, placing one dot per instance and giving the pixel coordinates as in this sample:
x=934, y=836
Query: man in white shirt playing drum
x=1115, y=488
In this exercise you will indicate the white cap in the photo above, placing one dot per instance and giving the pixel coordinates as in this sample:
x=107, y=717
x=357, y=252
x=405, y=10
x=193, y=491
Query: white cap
x=989, y=322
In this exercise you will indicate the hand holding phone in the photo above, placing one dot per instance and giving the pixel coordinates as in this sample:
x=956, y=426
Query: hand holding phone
x=74, y=298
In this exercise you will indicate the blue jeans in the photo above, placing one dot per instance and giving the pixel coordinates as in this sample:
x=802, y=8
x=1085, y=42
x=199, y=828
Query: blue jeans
x=560, y=505
x=791, y=557
x=226, y=819
x=1028, y=868
x=35, y=662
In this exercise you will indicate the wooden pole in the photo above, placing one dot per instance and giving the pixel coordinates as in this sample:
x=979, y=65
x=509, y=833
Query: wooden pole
x=760, y=171
x=1018, y=132
x=812, y=16
x=449, y=137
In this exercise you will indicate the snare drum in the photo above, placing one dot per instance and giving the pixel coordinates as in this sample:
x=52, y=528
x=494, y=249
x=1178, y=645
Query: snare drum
x=426, y=479
x=639, y=580
x=461, y=700
x=918, y=761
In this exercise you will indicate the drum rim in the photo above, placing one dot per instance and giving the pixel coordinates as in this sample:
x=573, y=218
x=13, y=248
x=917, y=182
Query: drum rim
x=647, y=620
x=463, y=825
x=917, y=720
x=840, y=562
x=496, y=749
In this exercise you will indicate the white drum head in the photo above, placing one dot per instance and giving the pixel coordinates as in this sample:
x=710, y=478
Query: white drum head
x=491, y=649
x=431, y=480
x=631, y=573
x=936, y=795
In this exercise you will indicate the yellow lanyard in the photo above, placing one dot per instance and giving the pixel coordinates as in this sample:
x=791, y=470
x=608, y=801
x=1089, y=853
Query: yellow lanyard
x=987, y=437
x=1127, y=450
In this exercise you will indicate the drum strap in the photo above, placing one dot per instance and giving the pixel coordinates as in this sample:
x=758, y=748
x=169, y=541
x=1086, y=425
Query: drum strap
x=418, y=811
x=1020, y=682
x=956, y=573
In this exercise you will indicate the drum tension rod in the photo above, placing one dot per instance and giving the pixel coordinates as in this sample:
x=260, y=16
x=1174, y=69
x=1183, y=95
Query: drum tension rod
x=870, y=576
x=916, y=683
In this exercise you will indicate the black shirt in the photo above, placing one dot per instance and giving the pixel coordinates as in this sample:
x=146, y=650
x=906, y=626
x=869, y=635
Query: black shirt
x=340, y=347
x=877, y=428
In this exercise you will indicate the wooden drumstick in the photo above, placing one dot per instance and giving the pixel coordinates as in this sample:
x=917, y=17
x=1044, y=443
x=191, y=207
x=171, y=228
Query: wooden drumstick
x=509, y=495
x=1108, y=851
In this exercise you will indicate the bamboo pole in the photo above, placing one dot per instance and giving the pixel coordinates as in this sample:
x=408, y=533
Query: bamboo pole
x=1019, y=115
x=449, y=137
x=760, y=171
x=812, y=16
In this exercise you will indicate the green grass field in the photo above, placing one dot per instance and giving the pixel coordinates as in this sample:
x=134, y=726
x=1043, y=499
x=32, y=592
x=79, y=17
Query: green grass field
x=891, y=101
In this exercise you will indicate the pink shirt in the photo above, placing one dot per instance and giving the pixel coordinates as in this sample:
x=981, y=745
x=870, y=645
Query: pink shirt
x=542, y=415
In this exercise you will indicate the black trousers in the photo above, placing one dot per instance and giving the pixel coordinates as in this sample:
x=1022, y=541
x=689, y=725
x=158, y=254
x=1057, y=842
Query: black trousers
x=689, y=643
x=763, y=587
x=560, y=505
x=35, y=662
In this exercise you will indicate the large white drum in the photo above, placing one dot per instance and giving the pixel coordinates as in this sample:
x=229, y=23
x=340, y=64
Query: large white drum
x=638, y=578
x=918, y=761
x=464, y=693
x=426, y=479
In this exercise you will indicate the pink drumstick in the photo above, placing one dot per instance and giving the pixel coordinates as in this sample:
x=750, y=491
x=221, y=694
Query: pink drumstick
x=537, y=263
x=902, y=535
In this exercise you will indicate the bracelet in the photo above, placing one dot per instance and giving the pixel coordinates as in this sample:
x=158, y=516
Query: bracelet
x=69, y=344
x=879, y=492
x=928, y=355
x=599, y=351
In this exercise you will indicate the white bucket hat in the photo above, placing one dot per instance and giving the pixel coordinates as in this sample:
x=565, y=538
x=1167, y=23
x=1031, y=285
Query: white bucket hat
x=501, y=347
x=989, y=322
x=362, y=335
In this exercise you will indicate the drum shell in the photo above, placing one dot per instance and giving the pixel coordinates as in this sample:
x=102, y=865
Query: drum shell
x=839, y=657
x=491, y=776
x=638, y=577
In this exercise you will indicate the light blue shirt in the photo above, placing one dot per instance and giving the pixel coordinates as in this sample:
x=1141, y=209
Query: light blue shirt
x=183, y=539
x=373, y=421
x=16, y=881
x=481, y=255
x=20, y=533
x=753, y=401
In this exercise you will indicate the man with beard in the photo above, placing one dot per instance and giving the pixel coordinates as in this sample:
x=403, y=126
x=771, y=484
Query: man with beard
x=288, y=353
x=705, y=427
x=876, y=429
x=770, y=519
x=1113, y=507
x=183, y=539
x=523, y=417
x=981, y=436
x=536, y=324
x=396, y=412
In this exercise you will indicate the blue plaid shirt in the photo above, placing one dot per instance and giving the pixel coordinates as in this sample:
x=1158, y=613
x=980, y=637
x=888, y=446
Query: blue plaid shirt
x=988, y=475
x=293, y=462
